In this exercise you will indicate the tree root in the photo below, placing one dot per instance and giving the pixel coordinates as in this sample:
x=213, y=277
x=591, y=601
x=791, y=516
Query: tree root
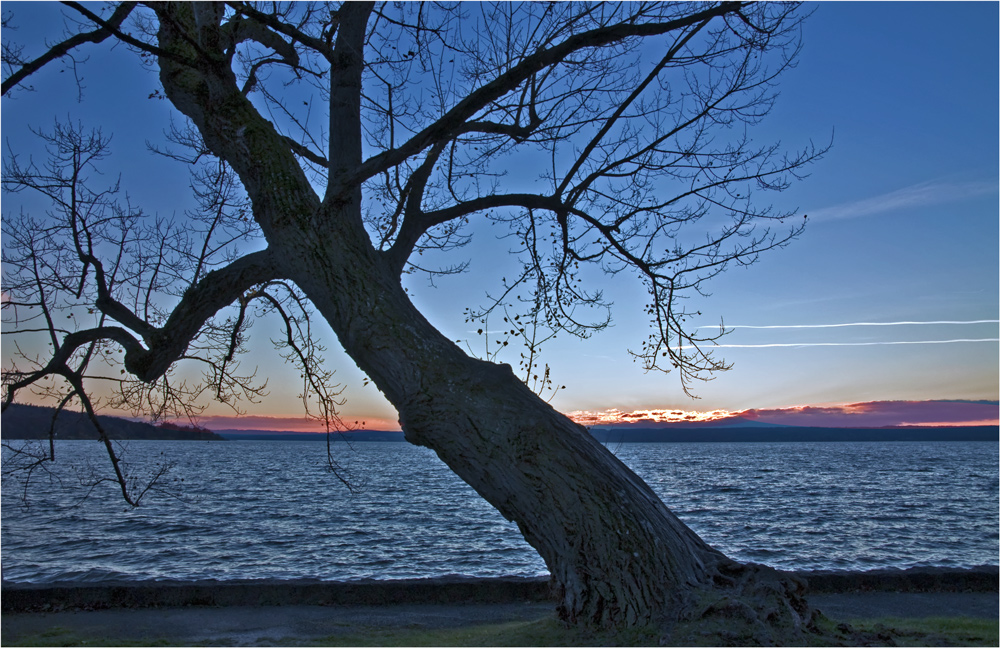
x=754, y=605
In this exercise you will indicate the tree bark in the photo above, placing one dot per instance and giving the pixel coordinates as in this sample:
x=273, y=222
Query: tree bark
x=616, y=554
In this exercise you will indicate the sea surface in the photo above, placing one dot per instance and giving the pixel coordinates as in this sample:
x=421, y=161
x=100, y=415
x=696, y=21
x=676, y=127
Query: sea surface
x=272, y=509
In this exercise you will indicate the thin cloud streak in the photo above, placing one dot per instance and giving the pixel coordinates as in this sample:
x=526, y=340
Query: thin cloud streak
x=837, y=344
x=851, y=324
x=814, y=326
x=918, y=195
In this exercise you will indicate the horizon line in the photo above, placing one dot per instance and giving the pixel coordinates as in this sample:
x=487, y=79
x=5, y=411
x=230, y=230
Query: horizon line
x=664, y=425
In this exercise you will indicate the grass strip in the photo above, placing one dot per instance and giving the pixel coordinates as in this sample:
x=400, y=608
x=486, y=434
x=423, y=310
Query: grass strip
x=937, y=631
x=549, y=631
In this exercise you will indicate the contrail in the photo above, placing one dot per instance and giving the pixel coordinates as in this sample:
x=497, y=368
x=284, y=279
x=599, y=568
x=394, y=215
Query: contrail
x=829, y=344
x=925, y=193
x=810, y=326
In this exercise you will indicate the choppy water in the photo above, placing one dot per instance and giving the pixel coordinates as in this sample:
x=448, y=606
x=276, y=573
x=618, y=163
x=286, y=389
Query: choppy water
x=269, y=509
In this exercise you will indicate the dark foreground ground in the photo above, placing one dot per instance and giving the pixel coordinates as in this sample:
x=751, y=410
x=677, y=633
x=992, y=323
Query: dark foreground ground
x=307, y=613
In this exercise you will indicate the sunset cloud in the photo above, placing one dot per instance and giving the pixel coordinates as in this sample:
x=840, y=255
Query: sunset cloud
x=615, y=416
x=882, y=413
x=865, y=414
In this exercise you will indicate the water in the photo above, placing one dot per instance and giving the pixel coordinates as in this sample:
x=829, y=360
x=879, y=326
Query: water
x=270, y=509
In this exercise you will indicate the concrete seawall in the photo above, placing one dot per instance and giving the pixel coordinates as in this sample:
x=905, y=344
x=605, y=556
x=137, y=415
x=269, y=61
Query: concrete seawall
x=18, y=597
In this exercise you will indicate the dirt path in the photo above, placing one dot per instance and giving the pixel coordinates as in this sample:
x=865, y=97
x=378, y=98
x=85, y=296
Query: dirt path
x=297, y=624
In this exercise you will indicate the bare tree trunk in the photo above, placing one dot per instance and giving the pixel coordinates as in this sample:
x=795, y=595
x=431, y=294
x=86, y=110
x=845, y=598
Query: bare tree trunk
x=617, y=555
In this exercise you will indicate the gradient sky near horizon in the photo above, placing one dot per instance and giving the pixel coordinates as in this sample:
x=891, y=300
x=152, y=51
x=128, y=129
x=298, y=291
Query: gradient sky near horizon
x=891, y=294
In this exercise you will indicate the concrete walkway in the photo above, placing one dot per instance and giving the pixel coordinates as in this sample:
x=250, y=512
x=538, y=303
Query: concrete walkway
x=298, y=624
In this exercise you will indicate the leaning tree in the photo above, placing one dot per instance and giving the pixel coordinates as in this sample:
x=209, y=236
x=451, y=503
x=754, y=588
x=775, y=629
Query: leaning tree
x=633, y=121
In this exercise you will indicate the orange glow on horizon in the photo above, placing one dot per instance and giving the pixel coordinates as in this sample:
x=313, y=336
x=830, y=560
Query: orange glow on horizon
x=615, y=416
x=864, y=414
x=289, y=424
x=982, y=423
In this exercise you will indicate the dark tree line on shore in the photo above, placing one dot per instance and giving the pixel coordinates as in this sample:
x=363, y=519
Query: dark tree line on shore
x=33, y=422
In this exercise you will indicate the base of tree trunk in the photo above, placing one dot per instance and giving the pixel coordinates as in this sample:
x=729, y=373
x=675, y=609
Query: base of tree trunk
x=752, y=605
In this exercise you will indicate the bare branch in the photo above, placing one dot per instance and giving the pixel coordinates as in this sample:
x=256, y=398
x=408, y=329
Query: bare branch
x=631, y=118
x=107, y=28
x=274, y=22
x=454, y=120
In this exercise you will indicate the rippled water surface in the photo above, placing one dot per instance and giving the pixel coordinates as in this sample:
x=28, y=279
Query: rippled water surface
x=270, y=509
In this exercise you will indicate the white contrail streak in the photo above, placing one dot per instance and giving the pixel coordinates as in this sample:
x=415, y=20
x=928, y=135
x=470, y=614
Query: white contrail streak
x=925, y=193
x=812, y=326
x=830, y=344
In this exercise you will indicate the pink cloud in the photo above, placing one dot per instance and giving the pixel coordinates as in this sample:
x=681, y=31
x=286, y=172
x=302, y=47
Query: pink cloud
x=646, y=418
x=866, y=414
x=882, y=413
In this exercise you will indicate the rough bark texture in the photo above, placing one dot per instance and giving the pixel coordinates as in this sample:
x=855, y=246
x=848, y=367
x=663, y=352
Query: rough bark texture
x=617, y=555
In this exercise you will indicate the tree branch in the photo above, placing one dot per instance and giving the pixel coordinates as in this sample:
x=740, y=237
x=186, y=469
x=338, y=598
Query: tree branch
x=319, y=45
x=418, y=223
x=201, y=301
x=454, y=120
x=107, y=28
x=230, y=125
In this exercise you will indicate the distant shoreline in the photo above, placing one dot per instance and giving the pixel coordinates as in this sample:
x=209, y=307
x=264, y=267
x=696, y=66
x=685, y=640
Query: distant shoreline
x=609, y=436
x=686, y=435
x=33, y=422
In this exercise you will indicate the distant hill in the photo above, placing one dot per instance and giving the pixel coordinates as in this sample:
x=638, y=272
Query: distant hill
x=276, y=435
x=32, y=422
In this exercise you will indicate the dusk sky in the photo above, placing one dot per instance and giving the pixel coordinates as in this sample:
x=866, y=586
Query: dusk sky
x=891, y=294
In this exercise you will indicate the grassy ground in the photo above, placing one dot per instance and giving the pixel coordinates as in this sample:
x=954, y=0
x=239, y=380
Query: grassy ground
x=939, y=631
x=942, y=631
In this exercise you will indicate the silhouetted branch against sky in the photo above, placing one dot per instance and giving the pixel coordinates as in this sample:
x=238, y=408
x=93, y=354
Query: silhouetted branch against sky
x=638, y=147
x=590, y=141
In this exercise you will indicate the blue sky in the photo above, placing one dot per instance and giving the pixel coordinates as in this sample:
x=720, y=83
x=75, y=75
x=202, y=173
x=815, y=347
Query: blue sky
x=903, y=227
